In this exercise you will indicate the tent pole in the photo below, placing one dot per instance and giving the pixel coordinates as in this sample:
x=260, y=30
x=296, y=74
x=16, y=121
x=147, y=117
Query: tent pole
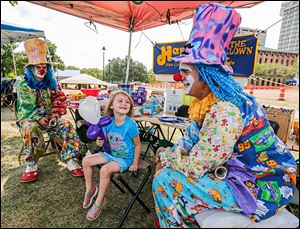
x=129, y=47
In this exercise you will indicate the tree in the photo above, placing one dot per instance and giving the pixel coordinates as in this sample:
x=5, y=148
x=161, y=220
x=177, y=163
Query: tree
x=115, y=71
x=72, y=68
x=95, y=72
x=13, y=3
x=277, y=70
x=151, y=77
x=7, y=66
x=54, y=57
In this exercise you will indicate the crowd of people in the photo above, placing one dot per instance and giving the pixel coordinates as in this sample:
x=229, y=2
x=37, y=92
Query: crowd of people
x=184, y=181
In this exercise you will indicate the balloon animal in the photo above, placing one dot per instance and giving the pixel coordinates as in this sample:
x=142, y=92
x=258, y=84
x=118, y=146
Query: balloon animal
x=89, y=110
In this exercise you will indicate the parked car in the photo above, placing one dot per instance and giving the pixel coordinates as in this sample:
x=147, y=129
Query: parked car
x=291, y=82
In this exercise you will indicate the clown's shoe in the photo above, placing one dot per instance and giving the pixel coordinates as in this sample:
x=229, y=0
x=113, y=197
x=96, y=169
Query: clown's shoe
x=30, y=173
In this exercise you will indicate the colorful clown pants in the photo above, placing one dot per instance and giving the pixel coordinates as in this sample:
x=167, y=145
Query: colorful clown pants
x=178, y=198
x=63, y=133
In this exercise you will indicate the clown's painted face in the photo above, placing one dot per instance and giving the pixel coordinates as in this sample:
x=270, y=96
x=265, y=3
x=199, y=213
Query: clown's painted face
x=40, y=71
x=187, y=80
x=194, y=84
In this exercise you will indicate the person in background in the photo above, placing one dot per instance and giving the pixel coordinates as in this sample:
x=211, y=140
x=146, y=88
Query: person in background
x=123, y=137
x=229, y=133
x=40, y=105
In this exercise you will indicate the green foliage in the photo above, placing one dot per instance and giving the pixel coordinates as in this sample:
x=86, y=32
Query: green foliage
x=95, y=72
x=278, y=70
x=296, y=69
x=7, y=66
x=13, y=3
x=151, y=77
x=115, y=71
x=56, y=60
x=72, y=68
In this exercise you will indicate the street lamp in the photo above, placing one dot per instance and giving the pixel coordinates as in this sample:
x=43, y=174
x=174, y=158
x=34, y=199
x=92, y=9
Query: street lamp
x=103, y=49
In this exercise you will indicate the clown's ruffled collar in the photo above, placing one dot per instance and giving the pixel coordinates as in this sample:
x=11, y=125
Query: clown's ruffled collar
x=199, y=108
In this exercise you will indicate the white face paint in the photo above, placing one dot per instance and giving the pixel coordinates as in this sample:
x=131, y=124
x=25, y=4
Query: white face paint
x=189, y=79
x=40, y=71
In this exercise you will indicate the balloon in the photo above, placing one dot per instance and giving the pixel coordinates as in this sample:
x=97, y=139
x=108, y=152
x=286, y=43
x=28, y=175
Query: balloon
x=96, y=130
x=89, y=109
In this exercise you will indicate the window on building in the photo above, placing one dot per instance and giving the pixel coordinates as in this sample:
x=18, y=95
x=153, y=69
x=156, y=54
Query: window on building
x=260, y=59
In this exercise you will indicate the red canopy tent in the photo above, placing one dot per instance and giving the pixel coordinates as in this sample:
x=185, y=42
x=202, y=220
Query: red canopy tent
x=133, y=16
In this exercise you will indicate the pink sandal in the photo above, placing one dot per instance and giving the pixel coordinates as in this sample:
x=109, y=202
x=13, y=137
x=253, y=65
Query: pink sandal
x=88, y=197
x=95, y=211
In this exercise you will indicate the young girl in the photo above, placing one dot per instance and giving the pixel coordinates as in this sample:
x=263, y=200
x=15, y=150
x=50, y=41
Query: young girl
x=124, y=141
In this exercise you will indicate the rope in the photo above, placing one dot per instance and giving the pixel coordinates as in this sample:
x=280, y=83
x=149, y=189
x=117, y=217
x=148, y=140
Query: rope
x=148, y=38
x=137, y=43
x=278, y=21
x=180, y=30
x=257, y=78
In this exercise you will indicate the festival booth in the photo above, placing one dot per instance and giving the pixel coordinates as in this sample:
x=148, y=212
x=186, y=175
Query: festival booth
x=135, y=16
x=84, y=81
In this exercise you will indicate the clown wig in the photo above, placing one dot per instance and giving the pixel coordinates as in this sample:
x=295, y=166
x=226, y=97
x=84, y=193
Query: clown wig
x=49, y=80
x=222, y=84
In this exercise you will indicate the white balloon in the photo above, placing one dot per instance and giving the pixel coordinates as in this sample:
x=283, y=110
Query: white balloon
x=89, y=109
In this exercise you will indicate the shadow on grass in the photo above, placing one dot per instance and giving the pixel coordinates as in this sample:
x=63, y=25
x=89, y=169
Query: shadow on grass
x=55, y=200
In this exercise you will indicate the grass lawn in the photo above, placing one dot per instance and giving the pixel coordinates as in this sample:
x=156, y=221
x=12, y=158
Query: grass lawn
x=55, y=199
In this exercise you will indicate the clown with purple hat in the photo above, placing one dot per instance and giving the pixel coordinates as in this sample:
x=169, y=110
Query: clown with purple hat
x=40, y=105
x=229, y=134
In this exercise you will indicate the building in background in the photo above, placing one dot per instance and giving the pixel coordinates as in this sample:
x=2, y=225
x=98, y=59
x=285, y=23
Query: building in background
x=289, y=31
x=268, y=55
x=261, y=38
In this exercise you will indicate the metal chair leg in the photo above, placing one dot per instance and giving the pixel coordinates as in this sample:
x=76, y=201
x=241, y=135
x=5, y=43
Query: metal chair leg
x=135, y=196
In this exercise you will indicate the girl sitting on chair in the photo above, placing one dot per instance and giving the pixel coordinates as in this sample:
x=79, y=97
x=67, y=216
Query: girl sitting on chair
x=123, y=137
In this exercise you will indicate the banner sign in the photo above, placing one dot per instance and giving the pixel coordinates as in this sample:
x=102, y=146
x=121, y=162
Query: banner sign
x=241, y=56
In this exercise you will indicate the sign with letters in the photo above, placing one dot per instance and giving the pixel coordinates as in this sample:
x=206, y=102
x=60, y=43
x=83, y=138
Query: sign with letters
x=241, y=56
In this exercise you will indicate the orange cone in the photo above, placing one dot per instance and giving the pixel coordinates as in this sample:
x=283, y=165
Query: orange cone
x=281, y=94
x=251, y=92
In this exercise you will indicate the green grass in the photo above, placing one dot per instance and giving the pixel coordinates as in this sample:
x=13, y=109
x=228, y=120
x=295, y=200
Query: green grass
x=55, y=199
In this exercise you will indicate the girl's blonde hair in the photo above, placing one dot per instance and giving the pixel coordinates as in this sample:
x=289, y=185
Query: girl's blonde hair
x=108, y=111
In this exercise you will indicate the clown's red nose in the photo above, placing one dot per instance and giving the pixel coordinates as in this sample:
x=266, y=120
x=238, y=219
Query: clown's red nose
x=42, y=71
x=177, y=77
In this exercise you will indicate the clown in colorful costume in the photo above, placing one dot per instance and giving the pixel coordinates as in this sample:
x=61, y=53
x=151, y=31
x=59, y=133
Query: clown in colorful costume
x=35, y=112
x=229, y=128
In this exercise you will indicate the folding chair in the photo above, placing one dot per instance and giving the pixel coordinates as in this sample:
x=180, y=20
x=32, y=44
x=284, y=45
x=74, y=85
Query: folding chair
x=142, y=165
x=81, y=129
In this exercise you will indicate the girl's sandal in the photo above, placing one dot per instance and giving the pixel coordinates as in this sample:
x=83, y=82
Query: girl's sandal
x=95, y=211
